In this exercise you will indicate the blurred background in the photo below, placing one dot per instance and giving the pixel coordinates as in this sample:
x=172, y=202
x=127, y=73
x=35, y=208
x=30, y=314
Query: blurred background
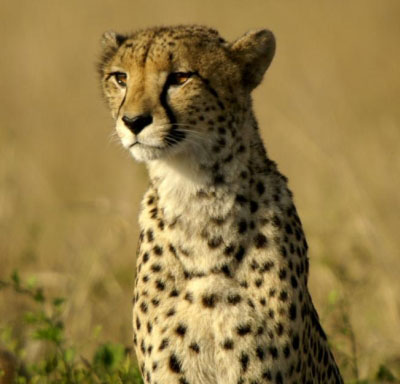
x=329, y=110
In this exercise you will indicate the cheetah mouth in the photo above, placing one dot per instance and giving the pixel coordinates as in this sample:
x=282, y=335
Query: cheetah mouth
x=138, y=143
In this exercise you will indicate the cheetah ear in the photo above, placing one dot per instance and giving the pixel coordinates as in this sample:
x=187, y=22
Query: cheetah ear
x=112, y=40
x=254, y=52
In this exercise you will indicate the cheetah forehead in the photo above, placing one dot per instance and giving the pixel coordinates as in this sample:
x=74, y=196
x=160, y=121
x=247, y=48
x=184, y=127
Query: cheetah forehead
x=173, y=48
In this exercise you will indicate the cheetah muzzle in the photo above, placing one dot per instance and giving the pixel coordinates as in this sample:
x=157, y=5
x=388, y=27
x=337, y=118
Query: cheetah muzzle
x=221, y=286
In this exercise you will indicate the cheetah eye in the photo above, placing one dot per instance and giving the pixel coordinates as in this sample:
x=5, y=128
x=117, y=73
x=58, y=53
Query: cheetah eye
x=120, y=78
x=179, y=78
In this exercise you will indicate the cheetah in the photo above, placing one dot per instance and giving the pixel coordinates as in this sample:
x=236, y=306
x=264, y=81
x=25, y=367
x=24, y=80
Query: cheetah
x=221, y=284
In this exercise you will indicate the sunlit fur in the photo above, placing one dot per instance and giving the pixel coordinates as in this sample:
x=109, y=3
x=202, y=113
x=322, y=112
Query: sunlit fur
x=221, y=287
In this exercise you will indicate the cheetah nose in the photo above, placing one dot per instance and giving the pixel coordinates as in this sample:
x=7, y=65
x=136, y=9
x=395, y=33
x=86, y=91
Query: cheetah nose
x=138, y=123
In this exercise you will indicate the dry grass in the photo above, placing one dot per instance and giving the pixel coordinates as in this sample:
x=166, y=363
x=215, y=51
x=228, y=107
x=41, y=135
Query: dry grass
x=329, y=111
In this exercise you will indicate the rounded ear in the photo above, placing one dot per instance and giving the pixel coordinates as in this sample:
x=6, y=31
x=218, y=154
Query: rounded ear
x=112, y=40
x=254, y=52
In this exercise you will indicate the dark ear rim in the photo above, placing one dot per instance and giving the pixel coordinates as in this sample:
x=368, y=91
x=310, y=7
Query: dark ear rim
x=112, y=40
x=254, y=52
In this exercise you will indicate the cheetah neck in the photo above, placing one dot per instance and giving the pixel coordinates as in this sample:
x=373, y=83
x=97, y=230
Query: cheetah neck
x=187, y=189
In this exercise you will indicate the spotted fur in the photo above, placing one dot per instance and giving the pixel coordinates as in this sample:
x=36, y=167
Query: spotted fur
x=221, y=287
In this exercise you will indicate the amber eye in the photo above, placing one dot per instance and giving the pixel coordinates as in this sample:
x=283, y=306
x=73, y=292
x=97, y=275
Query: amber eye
x=179, y=78
x=120, y=78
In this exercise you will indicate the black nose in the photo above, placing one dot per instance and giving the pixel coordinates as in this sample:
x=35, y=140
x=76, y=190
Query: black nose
x=138, y=123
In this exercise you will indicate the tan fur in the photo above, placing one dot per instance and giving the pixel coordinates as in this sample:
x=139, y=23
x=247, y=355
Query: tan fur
x=221, y=287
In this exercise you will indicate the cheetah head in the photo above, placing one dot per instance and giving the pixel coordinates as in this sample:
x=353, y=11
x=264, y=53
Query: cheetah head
x=178, y=89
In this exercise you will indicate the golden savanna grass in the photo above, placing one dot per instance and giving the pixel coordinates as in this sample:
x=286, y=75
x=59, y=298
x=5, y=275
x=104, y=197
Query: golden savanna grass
x=329, y=110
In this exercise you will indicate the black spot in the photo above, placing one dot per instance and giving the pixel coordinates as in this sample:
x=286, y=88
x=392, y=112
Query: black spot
x=276, y=222
x=241, y=199
x=239, y=254
x=286, y=351
x=253, y=206
x=156, y=267
x=219, y=179
x=267, y=266
x=229, y=250
x=215, y=242
x=234, y=299
x=149, y=327
x=293, y=281
x=296, y=342
x=150, y=235
x=282, y=274
x=160, y=285
x=153, y=213
x=150, y=201
x=164, y=344
x=243, y=329
x=292, y=311
x=194, y=347
x=218, y=220
x=228, y=344
x=182, y=380
x=250, y=303
x=278, y=378
x=189, y=297
x=174, y=364
x=226, y=271
x=267, y=375
x=172, y=249
x=288, y=229
x=260, y=188
x=258, y=283
x=143, y=307
x=260, y=241
x=279, y=329
x=254, y=265
x=181, y=330
x=155, y=302
x=138, y=324
x=242, y=227
x=145, y=257
x=263, y=302
x=283, y=296
x=274, y=352
x=174, y=293
x=171, y=312
x=228, y=159
x=260, y=353
x=158, y=250
x=209, y=301
x=244, y=361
